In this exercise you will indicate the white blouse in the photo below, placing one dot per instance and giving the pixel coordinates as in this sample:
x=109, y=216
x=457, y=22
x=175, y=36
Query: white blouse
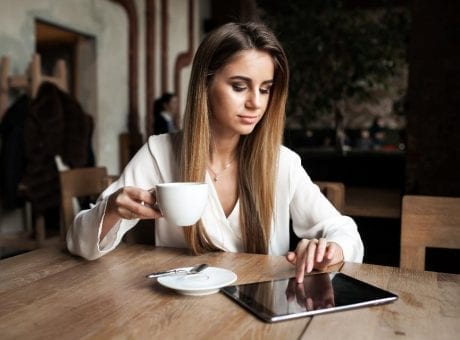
x=296, y=198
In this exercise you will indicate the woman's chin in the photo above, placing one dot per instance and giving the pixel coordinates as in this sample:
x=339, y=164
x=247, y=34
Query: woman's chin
x=246, y=129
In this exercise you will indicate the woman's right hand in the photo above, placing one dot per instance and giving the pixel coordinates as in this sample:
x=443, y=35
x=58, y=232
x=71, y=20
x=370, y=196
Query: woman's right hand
x=129, y=203
x=133, y=203
x=314, y=254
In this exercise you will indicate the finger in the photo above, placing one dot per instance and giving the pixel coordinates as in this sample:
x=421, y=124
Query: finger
x=290, y=256
x=146, y=203
x=149, y=197
x=147, y=212
x=118, y=204
x=153, y=202
x=127, y=207
x=333, y=255
x=299, y=271
x=310, y=257
x=322, y=266
x=130, y=204
x=321, y=249
x=126, y=214
x=334, y=252
x=330, y=254
x=300, y=259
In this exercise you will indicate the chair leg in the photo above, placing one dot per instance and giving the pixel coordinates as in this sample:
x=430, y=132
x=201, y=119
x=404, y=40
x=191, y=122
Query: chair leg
x=40, y=233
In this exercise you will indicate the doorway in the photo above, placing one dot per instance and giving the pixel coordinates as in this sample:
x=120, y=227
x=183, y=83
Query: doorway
x=78, y=50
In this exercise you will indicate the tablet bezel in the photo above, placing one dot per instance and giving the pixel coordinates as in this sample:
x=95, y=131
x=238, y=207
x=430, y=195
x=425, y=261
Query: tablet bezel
x=267, y=315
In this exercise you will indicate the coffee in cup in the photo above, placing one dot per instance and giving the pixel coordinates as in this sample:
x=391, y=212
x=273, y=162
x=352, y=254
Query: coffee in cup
x=182, y=203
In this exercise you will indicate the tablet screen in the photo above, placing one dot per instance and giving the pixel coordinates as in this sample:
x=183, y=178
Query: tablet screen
x=319, y=293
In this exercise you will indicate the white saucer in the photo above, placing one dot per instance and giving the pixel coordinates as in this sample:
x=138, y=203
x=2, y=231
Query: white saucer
x=209, y=281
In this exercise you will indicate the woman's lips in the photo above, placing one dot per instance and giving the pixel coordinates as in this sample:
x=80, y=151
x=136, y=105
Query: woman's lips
x=248, y=119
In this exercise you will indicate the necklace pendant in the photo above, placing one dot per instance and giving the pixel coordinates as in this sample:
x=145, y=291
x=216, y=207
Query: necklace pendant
x=216, y=178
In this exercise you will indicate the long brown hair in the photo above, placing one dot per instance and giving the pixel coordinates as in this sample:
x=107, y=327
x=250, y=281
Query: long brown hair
x=258, y=151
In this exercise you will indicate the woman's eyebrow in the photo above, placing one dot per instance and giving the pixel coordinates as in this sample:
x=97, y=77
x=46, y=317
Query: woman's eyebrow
x=248, y=80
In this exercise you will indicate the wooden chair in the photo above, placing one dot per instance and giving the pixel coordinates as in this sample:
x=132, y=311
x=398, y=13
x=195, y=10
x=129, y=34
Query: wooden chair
x=79, y=183
x=335, y=192
x=428, y=221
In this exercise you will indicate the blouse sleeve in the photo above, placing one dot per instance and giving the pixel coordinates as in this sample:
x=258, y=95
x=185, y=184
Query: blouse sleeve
x=313, y=216
x=143, y=171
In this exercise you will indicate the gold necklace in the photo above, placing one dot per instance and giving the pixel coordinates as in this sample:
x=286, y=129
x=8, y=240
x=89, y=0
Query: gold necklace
x=216, y=175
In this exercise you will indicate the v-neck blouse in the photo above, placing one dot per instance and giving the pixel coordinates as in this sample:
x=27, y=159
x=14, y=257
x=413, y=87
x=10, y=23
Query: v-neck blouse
x=226, y=233
x=297, y=199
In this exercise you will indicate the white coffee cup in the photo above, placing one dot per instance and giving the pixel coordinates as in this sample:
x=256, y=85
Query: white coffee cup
x=182, y=203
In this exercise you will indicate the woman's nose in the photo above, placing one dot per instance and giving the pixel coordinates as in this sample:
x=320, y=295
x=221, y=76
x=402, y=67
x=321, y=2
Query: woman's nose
x=254, y=100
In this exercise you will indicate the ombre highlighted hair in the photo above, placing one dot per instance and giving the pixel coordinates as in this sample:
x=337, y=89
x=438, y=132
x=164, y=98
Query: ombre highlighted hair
x=257, y=152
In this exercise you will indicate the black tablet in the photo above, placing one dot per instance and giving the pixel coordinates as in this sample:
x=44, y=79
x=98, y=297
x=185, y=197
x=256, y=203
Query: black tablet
x=320, y=293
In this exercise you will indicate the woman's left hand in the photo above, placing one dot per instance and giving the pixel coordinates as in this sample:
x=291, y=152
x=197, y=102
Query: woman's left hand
x=314, y=253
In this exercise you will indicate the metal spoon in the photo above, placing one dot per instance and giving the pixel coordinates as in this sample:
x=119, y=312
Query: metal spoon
x=195, y=270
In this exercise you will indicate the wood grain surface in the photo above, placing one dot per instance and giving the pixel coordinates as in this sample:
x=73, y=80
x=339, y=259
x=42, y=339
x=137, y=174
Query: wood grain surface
x=50, y=294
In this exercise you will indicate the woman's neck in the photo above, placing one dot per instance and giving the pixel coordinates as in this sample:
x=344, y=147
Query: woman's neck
x=223, y=150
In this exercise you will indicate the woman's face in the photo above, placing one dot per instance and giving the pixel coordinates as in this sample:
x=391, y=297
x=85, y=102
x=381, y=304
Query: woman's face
x=239, y=93
x=173, y=105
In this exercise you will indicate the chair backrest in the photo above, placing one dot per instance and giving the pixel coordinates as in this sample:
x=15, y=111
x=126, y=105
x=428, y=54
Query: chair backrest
x=77, y=183
x=335, y=193
x=428, y=221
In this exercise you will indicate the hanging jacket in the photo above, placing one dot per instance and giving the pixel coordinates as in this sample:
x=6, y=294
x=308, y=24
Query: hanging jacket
x=56, y=125
x=12, y=153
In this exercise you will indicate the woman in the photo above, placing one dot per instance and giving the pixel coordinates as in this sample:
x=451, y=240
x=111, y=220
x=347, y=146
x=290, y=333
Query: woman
x=231, y=139
x=165, y=111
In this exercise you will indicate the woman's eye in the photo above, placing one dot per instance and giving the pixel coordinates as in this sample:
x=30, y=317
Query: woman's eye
x=265, y=90
x=238, y=87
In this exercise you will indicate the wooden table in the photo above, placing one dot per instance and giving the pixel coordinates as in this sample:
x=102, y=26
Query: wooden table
x=50, y=294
